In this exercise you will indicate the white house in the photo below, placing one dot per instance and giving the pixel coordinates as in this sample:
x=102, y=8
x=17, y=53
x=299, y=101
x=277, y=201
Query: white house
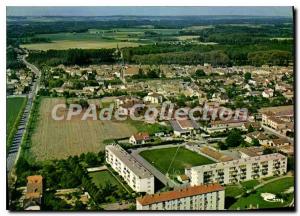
x=268, y=93
x=154, y=98
x=139, y=138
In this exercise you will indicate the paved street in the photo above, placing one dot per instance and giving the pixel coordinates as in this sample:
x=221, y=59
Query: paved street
x=14, y=150
x=270, y=130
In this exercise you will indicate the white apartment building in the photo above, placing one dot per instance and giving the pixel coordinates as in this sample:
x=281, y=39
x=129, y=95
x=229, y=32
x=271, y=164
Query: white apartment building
x=234, y=171
x=203, y=197
x=135, y=175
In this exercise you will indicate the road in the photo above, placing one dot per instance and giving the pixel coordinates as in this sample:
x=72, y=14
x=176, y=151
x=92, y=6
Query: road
x=14, y=150
x=270, y=130
x=160, y=176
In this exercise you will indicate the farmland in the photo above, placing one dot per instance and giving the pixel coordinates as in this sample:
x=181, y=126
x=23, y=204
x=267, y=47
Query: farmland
x=103, y=38
x=68, y=44
x=14, y=107
x=181, y=159
x=59, y=139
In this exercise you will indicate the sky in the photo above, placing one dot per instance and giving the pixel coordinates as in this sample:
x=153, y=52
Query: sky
x=148, y=11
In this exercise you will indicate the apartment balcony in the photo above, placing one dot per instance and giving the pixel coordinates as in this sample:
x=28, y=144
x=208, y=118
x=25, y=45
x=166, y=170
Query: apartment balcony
x=243, y=177
x=276, y=172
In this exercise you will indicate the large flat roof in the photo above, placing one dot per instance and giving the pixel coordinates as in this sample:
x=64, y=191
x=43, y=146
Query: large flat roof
x=130, y=162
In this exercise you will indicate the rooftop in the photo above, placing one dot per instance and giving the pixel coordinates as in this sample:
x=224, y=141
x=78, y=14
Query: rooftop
x=130, y=162
x=252, y=151
x=34, y=186
x=183, y=125
x=261, y=158
x=177, y=194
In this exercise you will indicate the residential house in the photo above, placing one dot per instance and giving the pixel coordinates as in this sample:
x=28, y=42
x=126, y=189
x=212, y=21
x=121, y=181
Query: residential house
x=139, y=138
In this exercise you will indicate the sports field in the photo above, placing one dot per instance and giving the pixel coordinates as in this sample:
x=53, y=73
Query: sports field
x=255, y=200
x=59, y=139
x=13, y=108
x=172, y=161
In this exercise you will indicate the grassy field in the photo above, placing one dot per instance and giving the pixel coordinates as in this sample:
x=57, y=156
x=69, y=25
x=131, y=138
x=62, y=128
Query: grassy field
x=256, y=200
x=248, y=185
x=102, y=177
x=233, y=191
x=150, y=128
x=13, y=108
x=162, y=158
x=59, y=139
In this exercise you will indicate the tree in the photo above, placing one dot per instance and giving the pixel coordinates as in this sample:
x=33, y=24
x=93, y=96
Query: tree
x=250, y=128
x=83, y=103
x=222, y=146
x=291, y=163
x=234, y=138
x=200, y=73
x=247, y=77
x=255, y=142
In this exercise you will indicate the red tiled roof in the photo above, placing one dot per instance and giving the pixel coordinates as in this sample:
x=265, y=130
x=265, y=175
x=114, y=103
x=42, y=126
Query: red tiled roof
x=141, y=136
x=34, y=186
x=177, y=194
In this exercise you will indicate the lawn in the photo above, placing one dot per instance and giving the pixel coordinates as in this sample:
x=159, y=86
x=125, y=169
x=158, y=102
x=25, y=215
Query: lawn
x=255, y=200
x=150, y=128
x=248, y=185
x=59, y=139
x=14, y=107
x=233, y=191
x=162, y=158
x=102, y=177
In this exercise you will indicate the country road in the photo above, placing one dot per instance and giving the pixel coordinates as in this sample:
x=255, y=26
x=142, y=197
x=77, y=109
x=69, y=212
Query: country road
x=14, y=150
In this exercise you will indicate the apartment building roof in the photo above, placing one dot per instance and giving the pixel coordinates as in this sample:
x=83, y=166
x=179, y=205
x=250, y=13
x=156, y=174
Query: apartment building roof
x=178, y=194
x=252, y=151
x=129, y=161
x=215, y=154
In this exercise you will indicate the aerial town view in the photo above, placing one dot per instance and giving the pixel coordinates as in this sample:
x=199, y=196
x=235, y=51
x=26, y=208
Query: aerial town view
x=150, y=108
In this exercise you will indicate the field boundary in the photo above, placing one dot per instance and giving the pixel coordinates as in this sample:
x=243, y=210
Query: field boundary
x=16, y=123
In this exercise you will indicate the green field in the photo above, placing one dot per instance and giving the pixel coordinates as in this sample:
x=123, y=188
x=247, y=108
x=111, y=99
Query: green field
x=103, y=177
x=254, y=199
x=233, y=191
x=248, y=185
x=162, y=158
x=13, y=108
x=149, y=128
